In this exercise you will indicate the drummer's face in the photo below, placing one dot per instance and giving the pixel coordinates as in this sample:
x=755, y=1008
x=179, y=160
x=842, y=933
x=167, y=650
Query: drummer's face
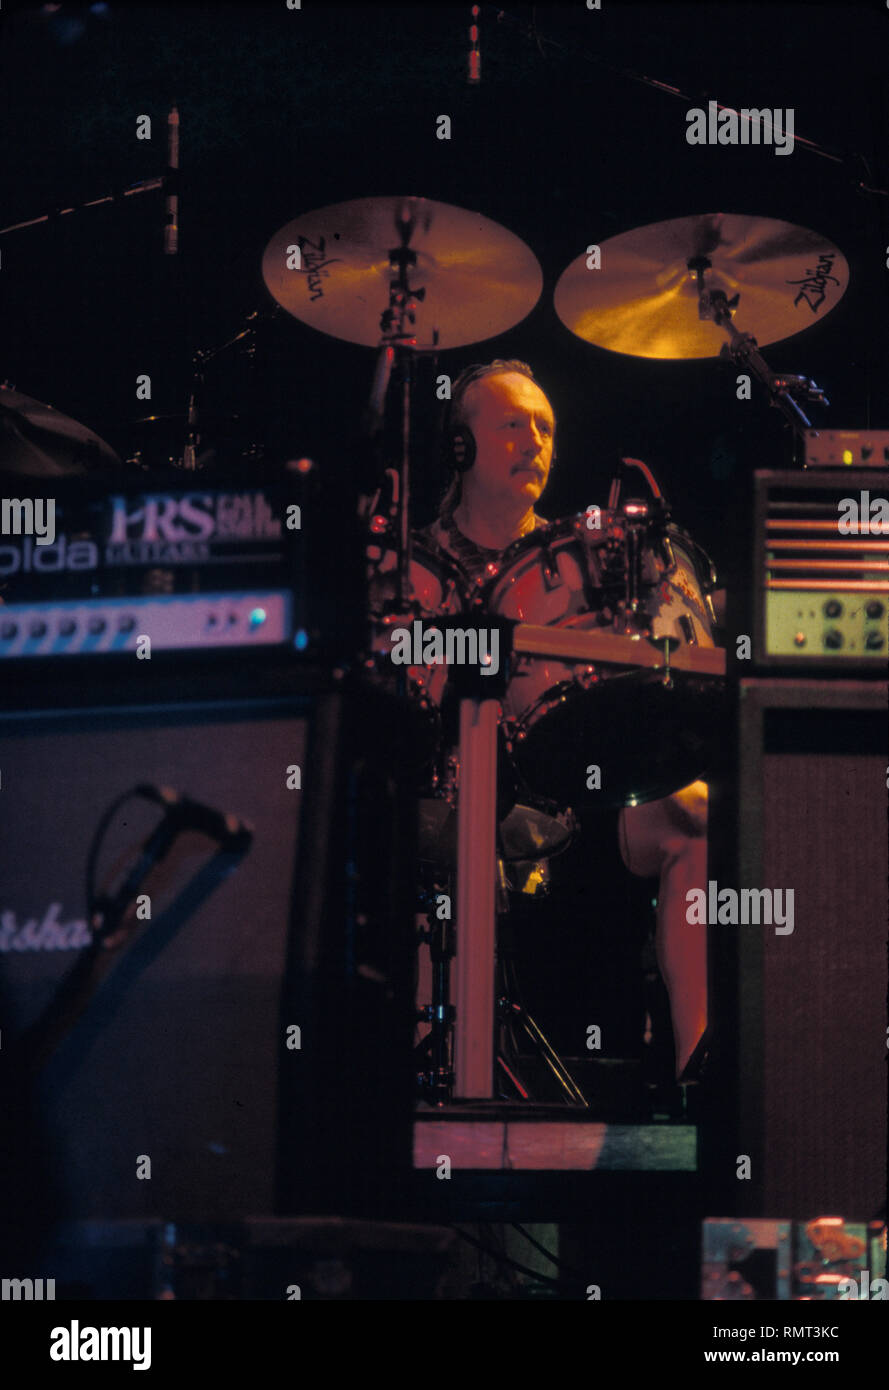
x=513, y=425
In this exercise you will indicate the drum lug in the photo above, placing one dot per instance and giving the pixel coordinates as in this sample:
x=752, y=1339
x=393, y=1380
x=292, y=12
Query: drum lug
x=512, y=733
x=586, y=677
x=551, y=577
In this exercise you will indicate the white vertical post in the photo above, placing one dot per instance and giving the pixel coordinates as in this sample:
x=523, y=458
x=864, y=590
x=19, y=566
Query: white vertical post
x=476, y=900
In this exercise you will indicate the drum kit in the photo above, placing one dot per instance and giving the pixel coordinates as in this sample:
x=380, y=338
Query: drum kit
x=614, y=667
x=612, y=625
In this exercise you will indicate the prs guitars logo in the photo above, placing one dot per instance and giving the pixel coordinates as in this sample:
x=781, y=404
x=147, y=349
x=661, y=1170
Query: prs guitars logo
x=193, y=516
x=154, y=528
x=180, y=529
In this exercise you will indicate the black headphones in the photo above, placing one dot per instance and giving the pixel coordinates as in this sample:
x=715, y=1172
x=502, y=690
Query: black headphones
x=458, y=441
x=461, y=449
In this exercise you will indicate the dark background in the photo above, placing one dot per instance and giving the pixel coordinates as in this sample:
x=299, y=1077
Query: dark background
x=284, y=111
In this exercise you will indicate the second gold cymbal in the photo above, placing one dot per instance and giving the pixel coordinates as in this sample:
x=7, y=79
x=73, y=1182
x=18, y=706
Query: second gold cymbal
x=643, y=299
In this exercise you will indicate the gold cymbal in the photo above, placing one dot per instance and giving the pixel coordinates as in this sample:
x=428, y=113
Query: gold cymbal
x=479, y=279
x=643, y=300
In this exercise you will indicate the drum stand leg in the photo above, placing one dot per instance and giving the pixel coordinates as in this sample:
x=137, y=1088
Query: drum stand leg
x=512, y=1013
x=437, y=1076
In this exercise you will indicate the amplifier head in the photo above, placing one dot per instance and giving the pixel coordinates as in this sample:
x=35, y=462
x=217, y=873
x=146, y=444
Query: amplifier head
x=821, y=571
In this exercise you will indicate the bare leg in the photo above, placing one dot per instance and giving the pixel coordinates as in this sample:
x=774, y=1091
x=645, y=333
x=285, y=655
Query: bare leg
x=669, y=838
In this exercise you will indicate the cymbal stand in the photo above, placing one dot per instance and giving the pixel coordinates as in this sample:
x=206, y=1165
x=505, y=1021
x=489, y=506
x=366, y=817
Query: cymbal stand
x=742, y=348
x=192, y=440
x=479, y=712
x=397, y=347
x=199, y=363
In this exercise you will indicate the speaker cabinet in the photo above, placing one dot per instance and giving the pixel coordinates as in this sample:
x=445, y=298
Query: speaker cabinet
x=812, y=1004
x=175, y=1058
x=246, y=1051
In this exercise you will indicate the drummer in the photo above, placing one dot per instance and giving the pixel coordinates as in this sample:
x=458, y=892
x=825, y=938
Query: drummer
x=500, y=443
